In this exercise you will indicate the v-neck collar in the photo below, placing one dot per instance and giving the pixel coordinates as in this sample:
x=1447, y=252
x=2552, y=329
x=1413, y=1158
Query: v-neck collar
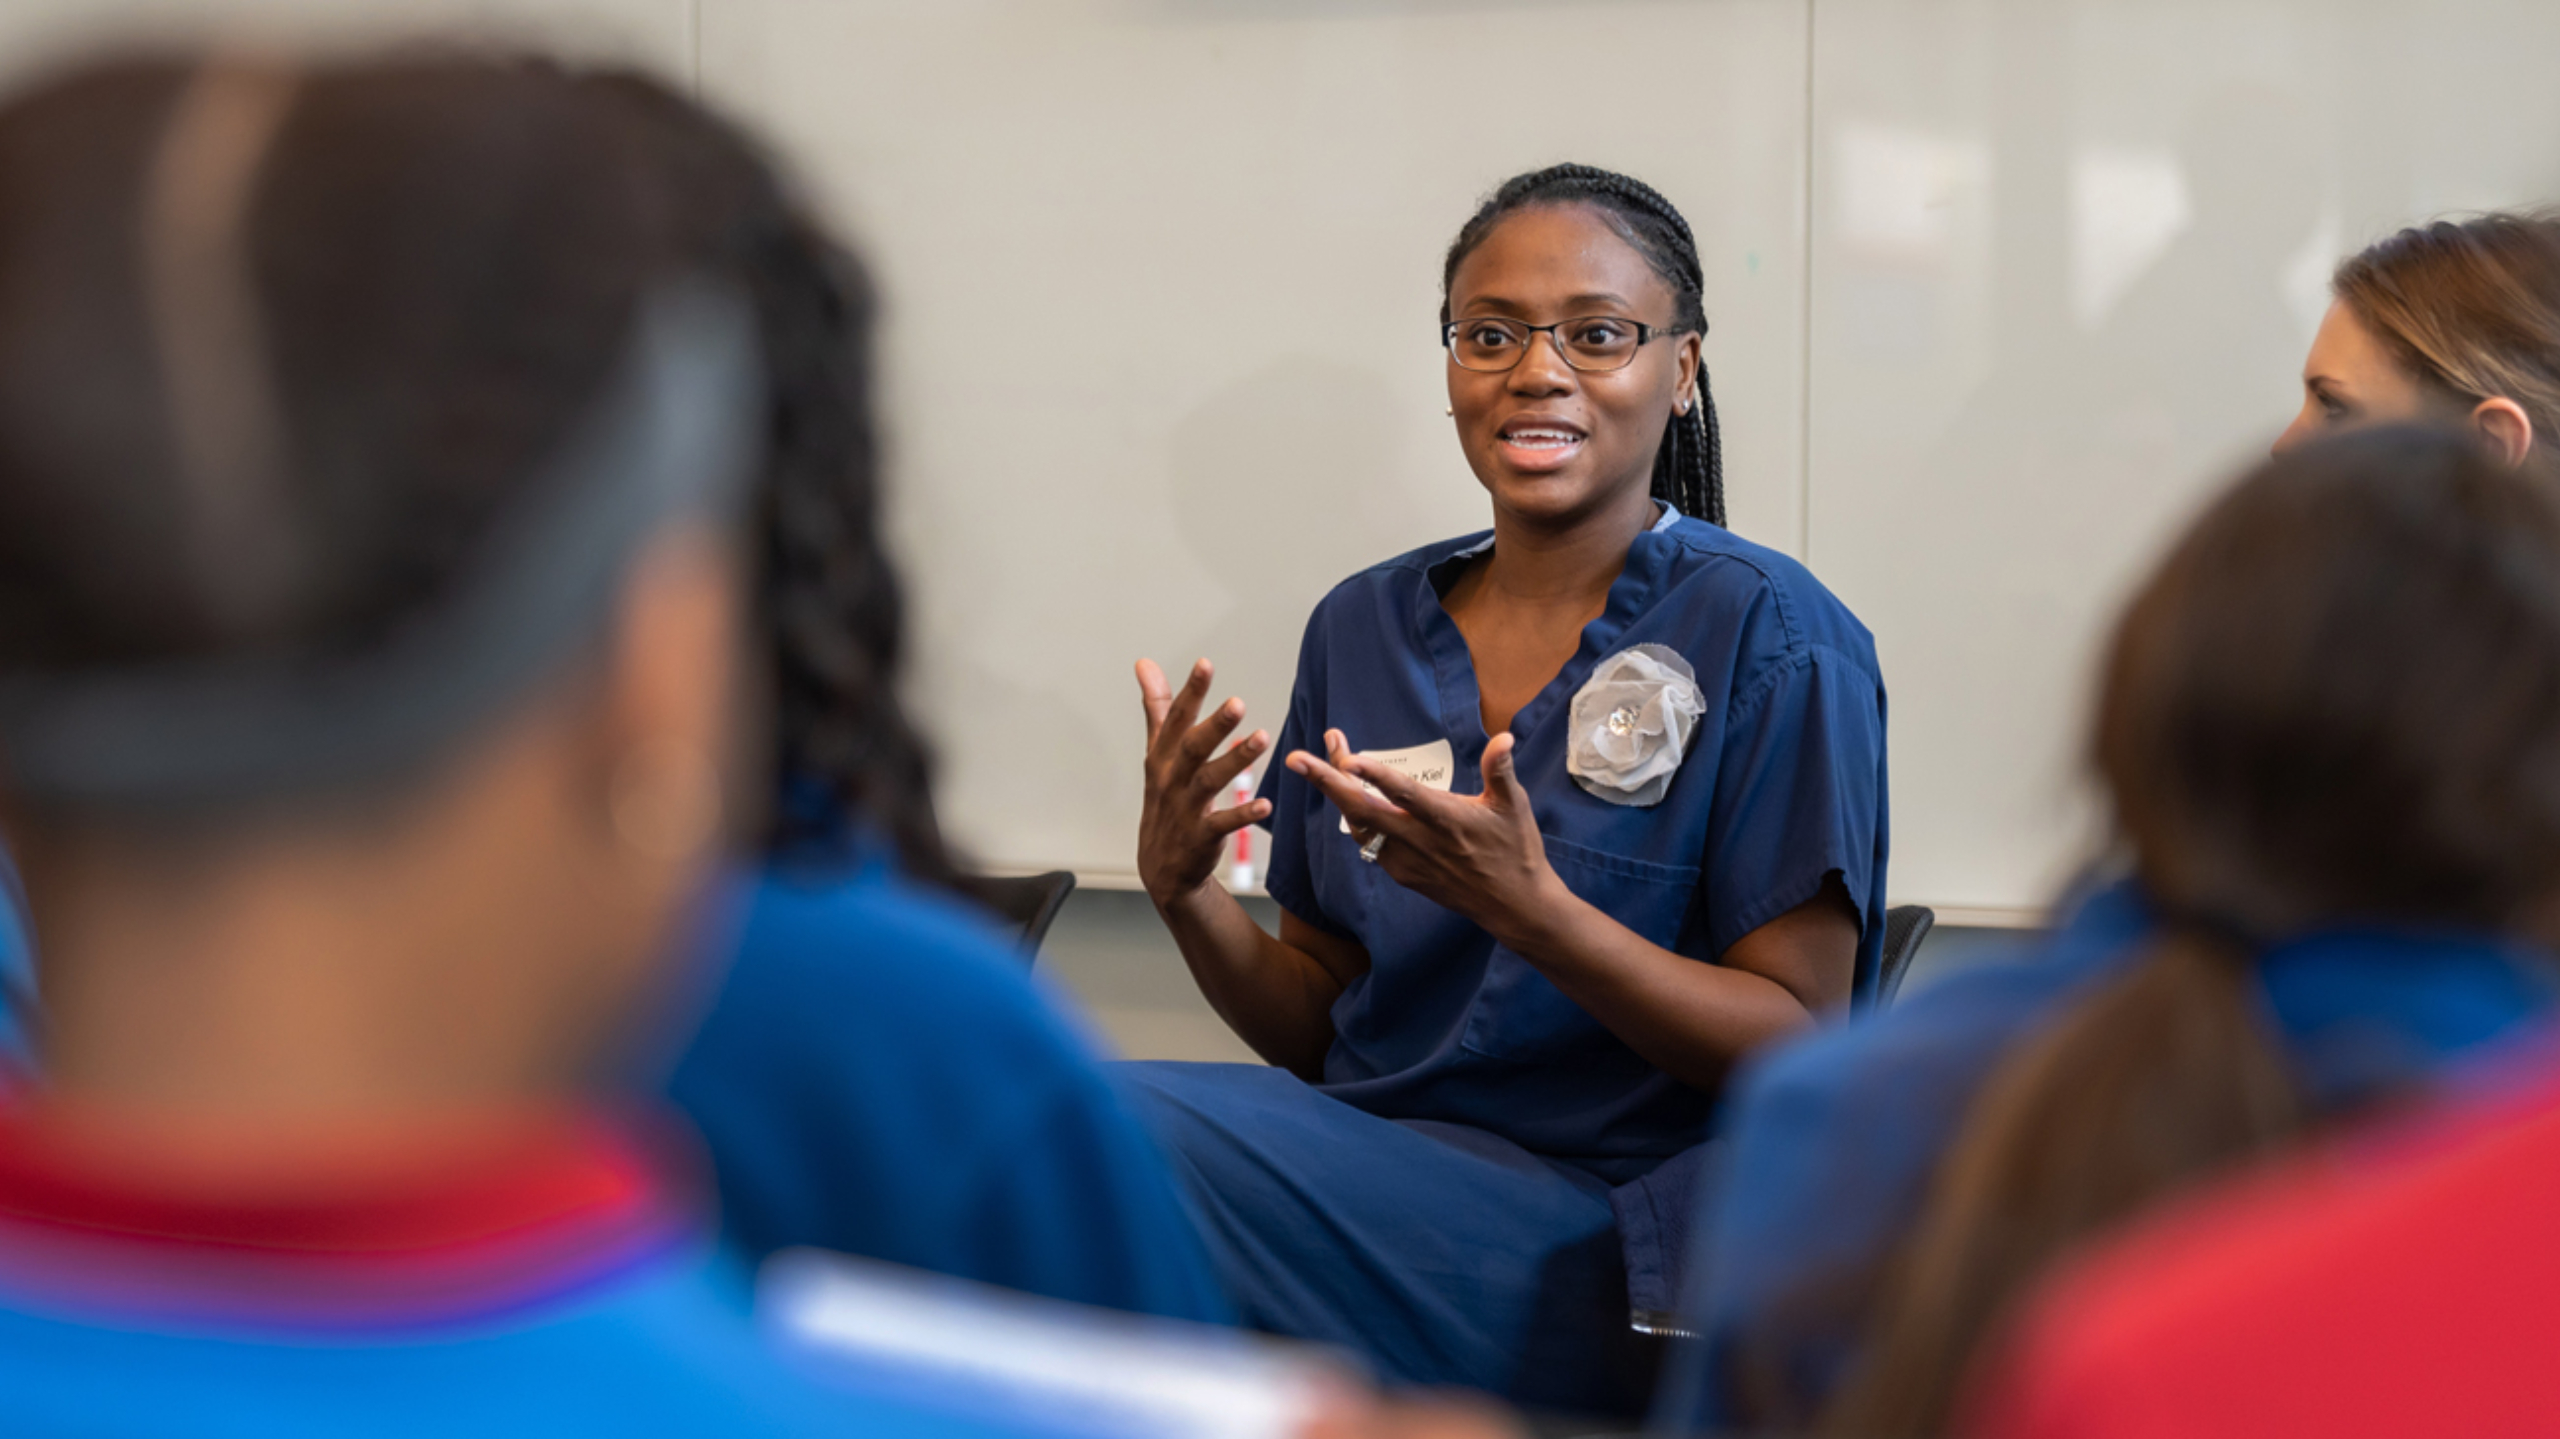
x=1462, y=698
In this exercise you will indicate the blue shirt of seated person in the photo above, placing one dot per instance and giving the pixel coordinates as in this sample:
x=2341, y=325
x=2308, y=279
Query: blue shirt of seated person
x=1835, y=1139
x=878, y=1075
x=539, y=1278
x=1830, y=1142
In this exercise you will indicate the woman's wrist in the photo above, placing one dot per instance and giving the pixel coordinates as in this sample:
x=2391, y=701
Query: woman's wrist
x=1536, y=920
x=1191, y=903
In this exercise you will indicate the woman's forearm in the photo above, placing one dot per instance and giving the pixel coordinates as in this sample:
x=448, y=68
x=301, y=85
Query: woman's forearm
x=1690, y=1019
x=1276, y=997
x=1483, y=856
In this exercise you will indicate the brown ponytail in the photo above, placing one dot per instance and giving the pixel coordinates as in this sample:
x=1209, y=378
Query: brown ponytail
x=2471, y=307
x=2158, y=1078
x=2338, y=701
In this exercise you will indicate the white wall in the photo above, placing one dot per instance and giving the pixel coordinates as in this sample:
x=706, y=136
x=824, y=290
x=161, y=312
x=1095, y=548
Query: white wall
x=34, y=33
x=1999, y=287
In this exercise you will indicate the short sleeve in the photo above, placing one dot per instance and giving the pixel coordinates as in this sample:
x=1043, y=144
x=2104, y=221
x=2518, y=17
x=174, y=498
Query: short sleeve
x=1295, y=803
x=1799, y=796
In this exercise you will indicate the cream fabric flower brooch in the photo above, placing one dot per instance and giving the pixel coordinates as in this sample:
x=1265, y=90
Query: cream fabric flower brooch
x=1632, y=723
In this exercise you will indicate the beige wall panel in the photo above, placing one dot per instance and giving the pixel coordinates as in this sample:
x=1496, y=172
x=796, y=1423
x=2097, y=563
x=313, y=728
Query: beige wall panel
x=657, y=33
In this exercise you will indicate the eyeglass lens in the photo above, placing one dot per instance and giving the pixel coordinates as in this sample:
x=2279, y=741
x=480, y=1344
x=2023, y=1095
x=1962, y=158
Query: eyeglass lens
x=1595, y=343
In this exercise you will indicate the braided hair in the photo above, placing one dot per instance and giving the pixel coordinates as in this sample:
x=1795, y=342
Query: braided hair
x=1688, y=471
x=848, y=765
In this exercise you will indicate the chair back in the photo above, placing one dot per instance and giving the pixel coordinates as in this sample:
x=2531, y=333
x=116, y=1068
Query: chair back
x=1905, y=925
x=1028, y=902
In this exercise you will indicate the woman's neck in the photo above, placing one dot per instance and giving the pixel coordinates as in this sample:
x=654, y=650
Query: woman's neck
x=1523, y=608
x=298, y=989
x=1537, y=563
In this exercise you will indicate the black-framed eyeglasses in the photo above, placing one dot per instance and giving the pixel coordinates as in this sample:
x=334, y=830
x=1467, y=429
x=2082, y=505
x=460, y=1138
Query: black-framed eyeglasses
x=1591, y=343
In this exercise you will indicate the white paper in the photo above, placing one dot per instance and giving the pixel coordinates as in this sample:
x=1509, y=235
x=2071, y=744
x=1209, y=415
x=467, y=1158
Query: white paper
x=1008, y=1357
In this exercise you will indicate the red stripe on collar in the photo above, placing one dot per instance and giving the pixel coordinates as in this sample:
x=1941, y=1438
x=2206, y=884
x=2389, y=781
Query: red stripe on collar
x=474, y=1220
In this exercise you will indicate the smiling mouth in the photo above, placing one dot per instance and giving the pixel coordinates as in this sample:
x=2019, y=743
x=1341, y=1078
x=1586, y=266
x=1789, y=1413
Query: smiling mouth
x=1534, y=437
x=1538, y=446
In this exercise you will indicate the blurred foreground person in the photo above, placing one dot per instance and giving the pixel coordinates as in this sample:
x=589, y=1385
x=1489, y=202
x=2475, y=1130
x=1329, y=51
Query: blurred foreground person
x=1831, y=1139
x=2399, y=1288
x=2329, y=730
x=878, y=1074
x=866, y=1015
x=367, y=625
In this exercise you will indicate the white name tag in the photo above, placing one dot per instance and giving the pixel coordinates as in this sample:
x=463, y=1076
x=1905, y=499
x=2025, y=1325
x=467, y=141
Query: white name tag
x=1429, y=765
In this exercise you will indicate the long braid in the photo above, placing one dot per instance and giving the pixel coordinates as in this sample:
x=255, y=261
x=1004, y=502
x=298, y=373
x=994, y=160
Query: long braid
x=846, y=760
x=1688, y=471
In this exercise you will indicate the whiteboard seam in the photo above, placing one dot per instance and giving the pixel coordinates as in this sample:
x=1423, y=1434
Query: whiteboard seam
x=1804, y=395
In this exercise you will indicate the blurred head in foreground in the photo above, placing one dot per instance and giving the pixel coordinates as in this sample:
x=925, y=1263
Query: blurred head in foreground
x=371, y=439
x=2333, y=711
x=366, y=621
x=2456, y=322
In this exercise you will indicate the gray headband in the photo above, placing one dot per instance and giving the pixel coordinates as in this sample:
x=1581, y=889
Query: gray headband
x=676, y=434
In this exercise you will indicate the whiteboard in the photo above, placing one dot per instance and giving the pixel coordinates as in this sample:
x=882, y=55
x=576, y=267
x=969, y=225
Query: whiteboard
x=2066, y=260
x=2000, y=290
x=1164, y=290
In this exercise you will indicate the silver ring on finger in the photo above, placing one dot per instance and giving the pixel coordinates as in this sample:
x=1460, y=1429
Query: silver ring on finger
x=1372, y=847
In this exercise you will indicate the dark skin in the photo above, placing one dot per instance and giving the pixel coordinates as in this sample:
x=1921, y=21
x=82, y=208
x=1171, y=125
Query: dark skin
x=1567, y=458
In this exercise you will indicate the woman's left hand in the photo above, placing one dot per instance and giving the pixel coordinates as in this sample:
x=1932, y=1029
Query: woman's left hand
x=1480, y=854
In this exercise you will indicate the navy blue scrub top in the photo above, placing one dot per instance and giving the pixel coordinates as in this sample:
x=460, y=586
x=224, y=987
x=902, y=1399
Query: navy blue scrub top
x=1783, y=786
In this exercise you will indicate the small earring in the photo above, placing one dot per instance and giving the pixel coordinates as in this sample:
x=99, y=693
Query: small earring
x=1451, y=412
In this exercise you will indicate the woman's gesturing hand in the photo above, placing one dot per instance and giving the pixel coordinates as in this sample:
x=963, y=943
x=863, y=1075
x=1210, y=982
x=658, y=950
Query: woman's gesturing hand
x=1181, y=830
x=1479, y=854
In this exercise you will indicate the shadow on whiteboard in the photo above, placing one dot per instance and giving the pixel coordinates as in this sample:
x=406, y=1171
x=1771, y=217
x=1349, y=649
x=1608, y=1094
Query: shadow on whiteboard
x=2141, y=335
x=1284, y=484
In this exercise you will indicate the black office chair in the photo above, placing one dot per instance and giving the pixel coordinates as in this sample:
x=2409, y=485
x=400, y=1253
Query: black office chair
x=1905, y=925
x=1029, y=902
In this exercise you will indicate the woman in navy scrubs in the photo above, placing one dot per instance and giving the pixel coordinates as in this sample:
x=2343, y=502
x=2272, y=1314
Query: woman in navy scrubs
x=1574, y=813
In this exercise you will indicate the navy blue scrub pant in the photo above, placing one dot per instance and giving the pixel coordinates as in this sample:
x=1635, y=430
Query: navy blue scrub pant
x=1444, y=1254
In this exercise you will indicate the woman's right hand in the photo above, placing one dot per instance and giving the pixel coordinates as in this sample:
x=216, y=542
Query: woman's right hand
x=1181, y=831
